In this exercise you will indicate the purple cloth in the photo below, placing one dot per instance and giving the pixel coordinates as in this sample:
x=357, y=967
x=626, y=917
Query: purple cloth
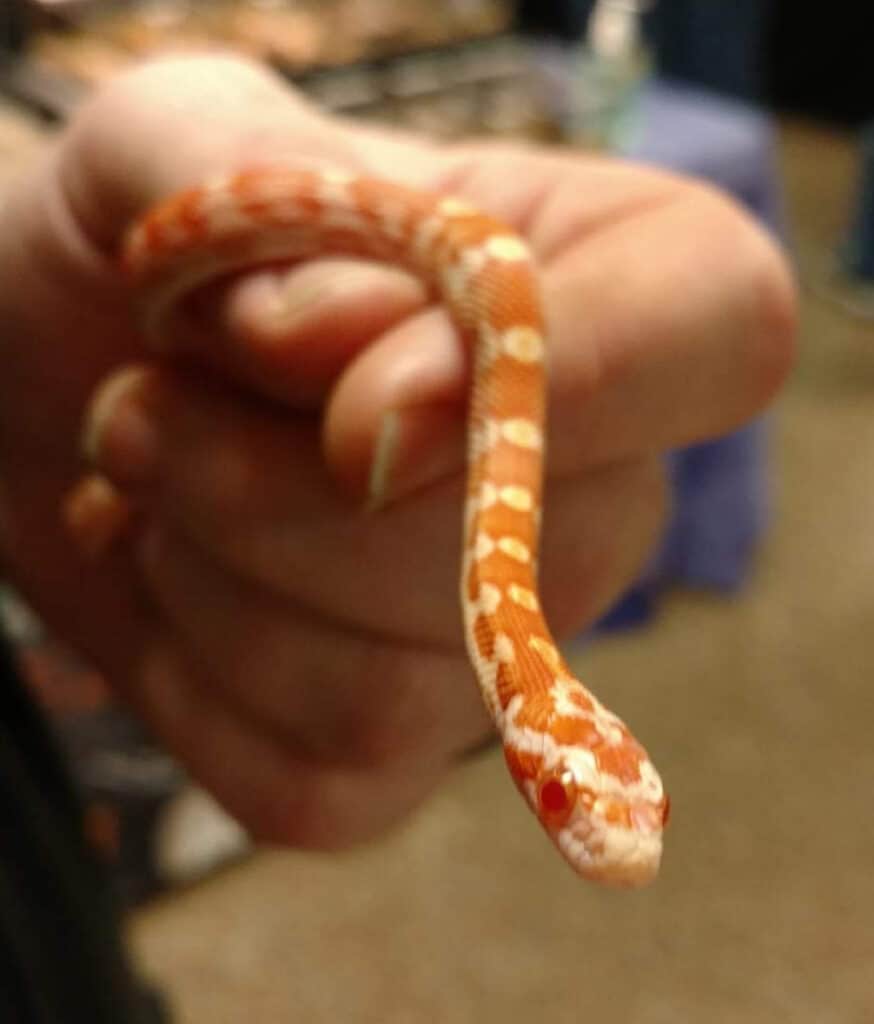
x=721, y=491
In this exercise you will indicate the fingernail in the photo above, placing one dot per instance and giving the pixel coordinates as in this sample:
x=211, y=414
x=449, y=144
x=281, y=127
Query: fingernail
x=299, y=294
x=95, y=515
x=119, y=434
x=414, y=448
x=384, y=455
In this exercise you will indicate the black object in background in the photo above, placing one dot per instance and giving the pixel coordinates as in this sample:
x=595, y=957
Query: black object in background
x=812, y=59
x=61, y=960
x=820, y=60
x=555, y=19
x=717, y=44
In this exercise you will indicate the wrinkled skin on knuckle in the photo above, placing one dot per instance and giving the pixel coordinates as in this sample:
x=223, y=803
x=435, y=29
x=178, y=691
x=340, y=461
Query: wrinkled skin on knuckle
x=388, y=726
x=757, y=278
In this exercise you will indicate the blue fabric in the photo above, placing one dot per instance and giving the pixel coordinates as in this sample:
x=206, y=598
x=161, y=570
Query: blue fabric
x=858, y=256
x=721, y=487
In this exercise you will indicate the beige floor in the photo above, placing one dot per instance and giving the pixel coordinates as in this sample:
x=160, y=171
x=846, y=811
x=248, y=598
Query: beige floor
x=761, y=713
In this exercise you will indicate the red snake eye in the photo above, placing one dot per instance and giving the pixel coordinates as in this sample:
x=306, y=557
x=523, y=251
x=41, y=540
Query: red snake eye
x=556, y=796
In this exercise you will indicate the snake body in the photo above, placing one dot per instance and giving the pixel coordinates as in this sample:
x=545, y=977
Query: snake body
x=590, y=783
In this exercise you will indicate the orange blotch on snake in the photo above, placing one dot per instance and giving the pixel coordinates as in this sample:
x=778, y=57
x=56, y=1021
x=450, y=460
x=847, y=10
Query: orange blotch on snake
x=506, y=686
x=618, y=813
x=536, y=713
x=576, y=732
x=484, y=635
x=622, y=760
x=523, y=766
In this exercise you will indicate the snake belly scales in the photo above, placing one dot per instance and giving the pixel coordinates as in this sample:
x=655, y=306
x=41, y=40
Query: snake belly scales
x=588, y=781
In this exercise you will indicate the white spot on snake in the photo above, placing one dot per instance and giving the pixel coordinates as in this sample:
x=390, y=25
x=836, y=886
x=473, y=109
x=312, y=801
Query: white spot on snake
x=608, y=725
x=514, y=548
x=480, y=501
x=650, y=781
x=580, y=761
x=522, y=433
x=519, y=498
x=505, y=652
x=473, y=259
x=489, y=598
x=452, y=207
x=487, y=674
x=487, y=346
x=483, y=546
x=337, y=177
x=484, y=436
x=562, y=694
x=507, y=248
x=488, y=495
x=522, y=596
x=523, y=343
x=547, y=652
x=333, y=190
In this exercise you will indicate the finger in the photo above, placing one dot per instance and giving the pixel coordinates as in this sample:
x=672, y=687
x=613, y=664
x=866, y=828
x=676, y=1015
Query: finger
x=342, y=696
x=96, y=515
x=263, y=330
x=645, y=277
x=288, y=332
x=664, y=328
x=250, y=485
x=183, y=120
x=263, y=781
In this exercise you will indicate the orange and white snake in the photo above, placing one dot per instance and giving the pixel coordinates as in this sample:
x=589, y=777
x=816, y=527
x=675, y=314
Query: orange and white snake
x=587, y=779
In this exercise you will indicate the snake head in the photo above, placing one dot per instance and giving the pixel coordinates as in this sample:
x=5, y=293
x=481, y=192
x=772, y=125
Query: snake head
x=608, y=826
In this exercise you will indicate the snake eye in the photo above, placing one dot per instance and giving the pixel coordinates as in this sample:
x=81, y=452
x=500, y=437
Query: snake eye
x=556, y=795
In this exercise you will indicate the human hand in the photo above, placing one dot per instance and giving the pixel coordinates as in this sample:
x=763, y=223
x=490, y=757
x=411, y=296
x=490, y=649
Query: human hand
x=301, y=656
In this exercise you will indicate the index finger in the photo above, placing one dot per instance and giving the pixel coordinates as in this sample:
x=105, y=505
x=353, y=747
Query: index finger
x=670, y=313
x=670, y=316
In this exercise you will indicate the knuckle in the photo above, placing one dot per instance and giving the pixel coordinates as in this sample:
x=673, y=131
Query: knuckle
x=389, y=727
x=756, y=277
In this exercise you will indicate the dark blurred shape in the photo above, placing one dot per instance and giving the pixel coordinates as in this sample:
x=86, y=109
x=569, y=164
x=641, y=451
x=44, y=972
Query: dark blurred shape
x=859, y=252
x=718, y=44
x=811, y=59
x=560, y=19
x=820, y=60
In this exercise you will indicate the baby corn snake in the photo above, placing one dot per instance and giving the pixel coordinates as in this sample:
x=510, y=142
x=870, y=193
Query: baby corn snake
x=589, y=782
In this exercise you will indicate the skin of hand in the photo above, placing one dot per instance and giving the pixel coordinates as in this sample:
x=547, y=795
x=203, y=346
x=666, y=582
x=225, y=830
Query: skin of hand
x=300, y=654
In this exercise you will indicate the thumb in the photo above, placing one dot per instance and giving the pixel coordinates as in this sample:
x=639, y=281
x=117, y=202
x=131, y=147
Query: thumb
x=170, y=124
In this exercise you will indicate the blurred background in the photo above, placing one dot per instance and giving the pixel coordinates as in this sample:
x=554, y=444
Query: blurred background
x=744, y=654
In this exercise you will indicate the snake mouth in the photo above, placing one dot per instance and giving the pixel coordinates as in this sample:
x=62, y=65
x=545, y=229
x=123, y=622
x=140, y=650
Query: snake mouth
x=611, y=854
